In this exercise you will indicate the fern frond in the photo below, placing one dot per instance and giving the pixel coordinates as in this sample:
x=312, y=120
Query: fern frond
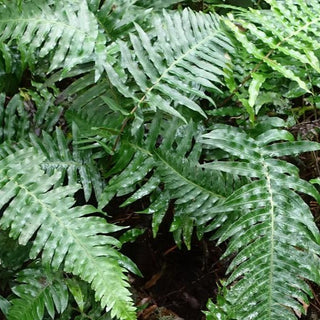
x=38, y=290
x=118, y=17
x=11, y=69
x=77, y=165
x=157, y=4
x=93, y=105
x=171, y=167
x=14, y=119
x=285, y=37
x=65, y=31
x=44, y=112
x=16, y=123
x=173, y=64
x=270, y=229
x=4, y=305
x=64, y=235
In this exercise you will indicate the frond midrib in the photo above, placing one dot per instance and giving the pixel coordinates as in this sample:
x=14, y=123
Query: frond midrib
x=272, y=244
x=173, y=64
x=149, y=153
x=296, y=32
x=188, y=180
x=48, y=208
x=63, y=164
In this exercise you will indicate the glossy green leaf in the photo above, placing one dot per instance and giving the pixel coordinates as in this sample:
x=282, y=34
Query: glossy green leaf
x=86, y=250
x=175, y=69
x=38, y=290
x=67, y=31
x=270, y=230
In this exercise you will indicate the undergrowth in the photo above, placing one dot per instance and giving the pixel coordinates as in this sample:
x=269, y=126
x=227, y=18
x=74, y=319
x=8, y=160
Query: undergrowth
x=179, y=104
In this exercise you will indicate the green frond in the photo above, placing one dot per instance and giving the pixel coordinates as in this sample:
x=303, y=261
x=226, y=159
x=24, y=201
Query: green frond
x=14, y=119
x=118, y=16
x=44, y=112
x=168, y=172
x=17, y=123
x=173, y=64
x=64, y=235
x=67, y=32
x=157, y=4
x=11, y=69
x=221, y=310
x=4, y=305
x=95, y=105
x=78, y=165
x=38, y=290
x=269, y=228
x=28, y=112
x=285, y=37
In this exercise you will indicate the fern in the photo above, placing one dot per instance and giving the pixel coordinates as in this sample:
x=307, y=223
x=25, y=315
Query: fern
x=38, y=289
x=118, y=16
x=73, y=240
x=11, y=69
x=77, y=166
x=174, y=163
x=14, y=119
x=269, y=227
x=66, y=31
x=172, y=65
x=125, y=115
x=44, y=112
x=285, y=37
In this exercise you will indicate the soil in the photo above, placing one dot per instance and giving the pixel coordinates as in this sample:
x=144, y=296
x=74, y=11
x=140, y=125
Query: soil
x=176, y=281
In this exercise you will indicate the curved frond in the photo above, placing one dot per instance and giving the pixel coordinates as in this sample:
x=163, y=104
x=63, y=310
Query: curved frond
x=63, y=234
x=173, y=64
x=270, y=229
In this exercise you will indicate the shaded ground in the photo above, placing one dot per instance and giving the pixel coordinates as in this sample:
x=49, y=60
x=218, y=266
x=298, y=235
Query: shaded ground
x=179, y=281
